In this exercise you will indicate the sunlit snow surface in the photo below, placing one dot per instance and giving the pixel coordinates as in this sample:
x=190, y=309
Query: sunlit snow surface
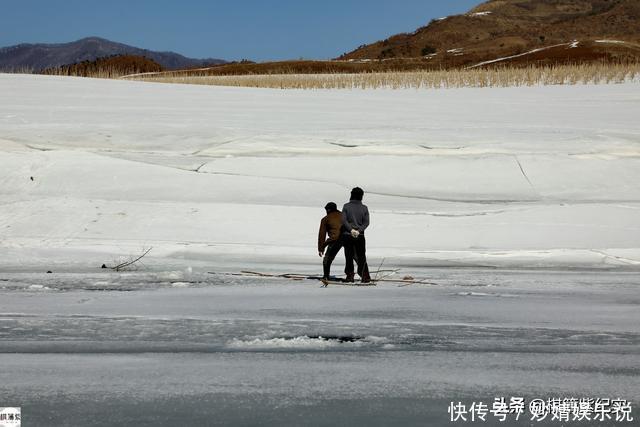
x=520, y=205
x=517, y=177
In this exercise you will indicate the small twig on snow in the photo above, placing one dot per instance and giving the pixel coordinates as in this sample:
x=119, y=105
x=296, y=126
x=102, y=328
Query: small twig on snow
x=129, y=263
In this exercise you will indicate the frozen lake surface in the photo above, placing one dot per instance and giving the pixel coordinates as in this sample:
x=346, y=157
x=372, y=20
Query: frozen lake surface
x=529, y=196
x=192, y=348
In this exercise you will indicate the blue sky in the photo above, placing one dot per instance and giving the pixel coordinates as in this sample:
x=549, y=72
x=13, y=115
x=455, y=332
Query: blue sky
x=227, y=29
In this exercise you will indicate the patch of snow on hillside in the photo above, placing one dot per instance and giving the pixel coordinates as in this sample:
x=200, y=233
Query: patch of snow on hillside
x=492, y=61
x=481, y=13
x=611, y=41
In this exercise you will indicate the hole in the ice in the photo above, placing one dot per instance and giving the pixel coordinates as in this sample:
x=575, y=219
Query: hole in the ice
x=338, y=338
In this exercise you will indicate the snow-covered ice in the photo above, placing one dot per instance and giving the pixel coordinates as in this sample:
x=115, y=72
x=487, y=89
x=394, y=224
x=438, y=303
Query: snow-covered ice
x=92, y=170
x=520, y=206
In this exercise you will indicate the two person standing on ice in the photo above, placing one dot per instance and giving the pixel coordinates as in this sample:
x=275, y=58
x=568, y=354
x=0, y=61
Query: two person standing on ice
x=345, y=229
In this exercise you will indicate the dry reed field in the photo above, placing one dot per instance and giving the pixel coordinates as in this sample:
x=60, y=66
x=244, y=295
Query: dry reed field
x=594, y=73
x=103, y=73
x=109, y=67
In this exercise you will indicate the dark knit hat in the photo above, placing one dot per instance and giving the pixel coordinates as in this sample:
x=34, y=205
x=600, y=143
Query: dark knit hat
x=357, y=193
x=331, y=207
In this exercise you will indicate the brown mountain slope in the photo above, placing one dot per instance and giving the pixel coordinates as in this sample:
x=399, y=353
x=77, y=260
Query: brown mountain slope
x=501, y=28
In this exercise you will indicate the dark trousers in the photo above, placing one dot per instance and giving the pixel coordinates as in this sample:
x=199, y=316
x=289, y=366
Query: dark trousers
x=332, y=250
x=356, y=250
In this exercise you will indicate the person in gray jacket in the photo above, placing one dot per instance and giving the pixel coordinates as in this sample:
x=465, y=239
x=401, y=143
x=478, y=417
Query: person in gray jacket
x=355, y=220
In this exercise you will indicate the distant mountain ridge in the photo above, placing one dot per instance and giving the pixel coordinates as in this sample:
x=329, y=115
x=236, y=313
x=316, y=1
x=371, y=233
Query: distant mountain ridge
x=41, y=56
x=500, y=28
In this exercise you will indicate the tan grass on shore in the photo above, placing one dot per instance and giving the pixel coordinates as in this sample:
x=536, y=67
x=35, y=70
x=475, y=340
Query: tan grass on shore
x=102, y=73
x=479, y=77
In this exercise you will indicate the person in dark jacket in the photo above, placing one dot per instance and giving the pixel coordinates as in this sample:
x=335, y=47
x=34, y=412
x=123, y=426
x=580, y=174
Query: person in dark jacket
x=330, y=225
x=355, y=220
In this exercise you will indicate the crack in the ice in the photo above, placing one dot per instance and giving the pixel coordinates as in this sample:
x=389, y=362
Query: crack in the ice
x=524, y=173
x=439, y=199
x=426, y=147
x=197, y=170
x=453, y=215
x=628, y=261
x=627, y=207
x=529, y=200
x=220, y=144
x=38, y=148
x=454, y=200
x=344, y=145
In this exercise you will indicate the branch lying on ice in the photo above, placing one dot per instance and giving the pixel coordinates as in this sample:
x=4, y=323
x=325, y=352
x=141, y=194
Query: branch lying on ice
x=126, y=264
